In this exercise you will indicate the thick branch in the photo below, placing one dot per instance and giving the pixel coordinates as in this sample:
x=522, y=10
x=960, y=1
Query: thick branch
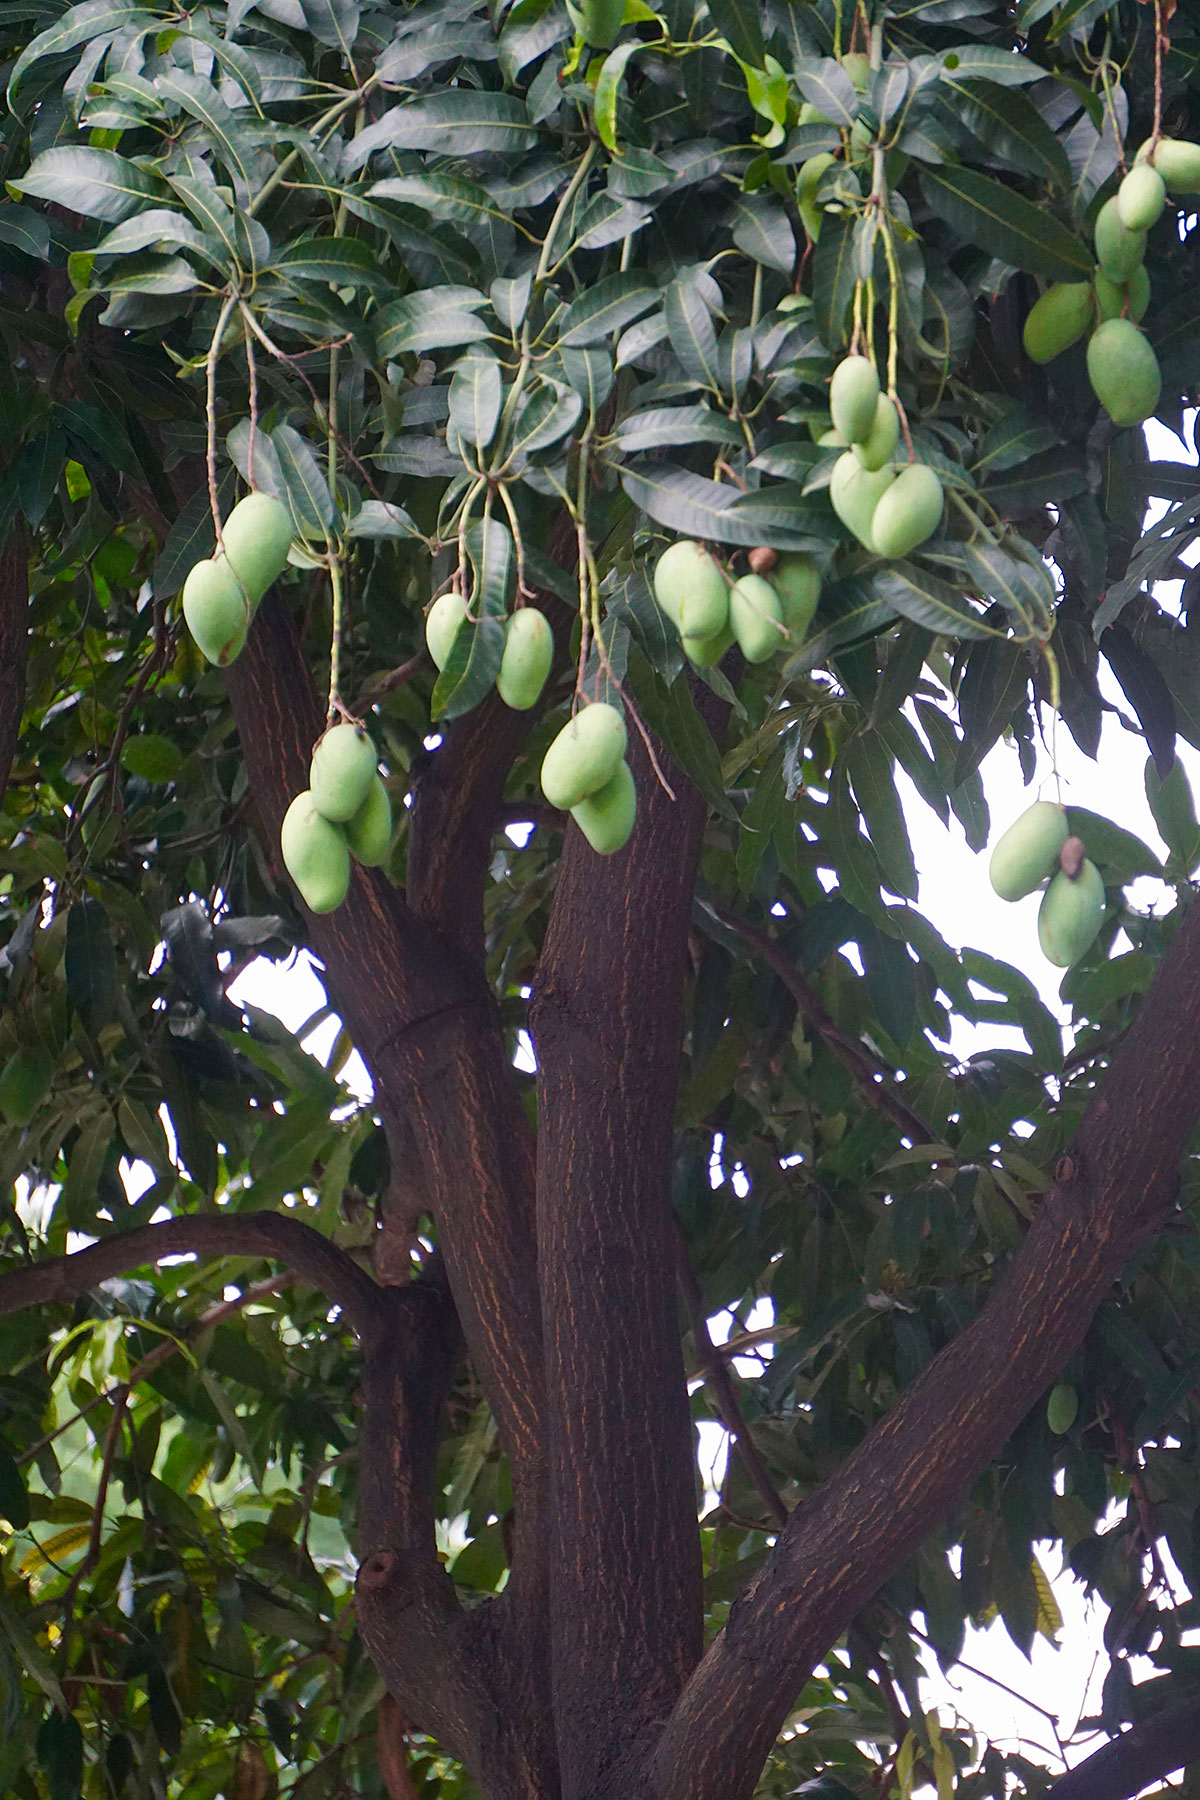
x=607, y=1022
x=258, y=1234
x=14, y=642
x=1157, y=1746
x=1113, y=1190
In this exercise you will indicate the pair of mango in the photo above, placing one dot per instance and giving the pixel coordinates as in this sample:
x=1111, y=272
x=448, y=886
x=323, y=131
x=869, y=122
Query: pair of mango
x=221, y=594
x=889, y=511
x=528, y=648
x=584, y=772
x=711, y=612
x=1039, y=847
x=343, y=812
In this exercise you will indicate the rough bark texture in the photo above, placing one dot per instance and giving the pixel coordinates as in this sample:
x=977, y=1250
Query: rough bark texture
x=1155, y=1747
x=1113, y=1189
x=607, y=1021
x=14, y=642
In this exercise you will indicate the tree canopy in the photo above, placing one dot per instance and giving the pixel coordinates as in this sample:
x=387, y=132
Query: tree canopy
x=348, y=1446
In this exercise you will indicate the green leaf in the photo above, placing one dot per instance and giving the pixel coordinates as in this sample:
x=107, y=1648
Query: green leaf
x=693, y=506
x=834, y=275
x=1120, y=855
x=671, y=714
x=1023, y=586
x=928, y=601
x=80, y=25
x=473, y=122
x=869, y=767
x=476, y=391
x=307, y=494
x=660, y=426
x=90, y=964
x=342, y=262
x=966, y=62
x=158, y=225
x=1174, y=811
x=608, y=90
x=1010, y=128
x=433, y=319
x=613, y=303
x=827, y=86
x=993, y=684
x=763, y=231
x=739, y=24
x=25, y=230
x=547, y=414
x=333, y=22
x=200, y=99
x=14, y=1501
x=151, y=756
x=692, y=334
x=1005, y=224
x=98, y=183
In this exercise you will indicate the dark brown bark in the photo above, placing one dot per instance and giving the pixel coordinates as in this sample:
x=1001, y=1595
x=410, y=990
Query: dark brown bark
x=1114, y=1188
x=14, y=642
x=1157, y=1746
x=428, y=1030
x=607, y=1020
x=306, y=1252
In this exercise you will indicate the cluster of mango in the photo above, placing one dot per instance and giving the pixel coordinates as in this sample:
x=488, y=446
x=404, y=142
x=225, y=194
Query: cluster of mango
x=1122, y=366
x=344, y=811
x=221, y=594
x=528, y=647
x=1039, y=847
x=710, y=611
x=889, y=511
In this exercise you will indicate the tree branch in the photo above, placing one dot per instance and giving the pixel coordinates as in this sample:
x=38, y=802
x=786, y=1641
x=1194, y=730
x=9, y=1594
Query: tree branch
x=872, y=1078
x=256, y=1234
x=1114, y=1188
x=607, y=1020
x=1157, y=1746
x=14, y=641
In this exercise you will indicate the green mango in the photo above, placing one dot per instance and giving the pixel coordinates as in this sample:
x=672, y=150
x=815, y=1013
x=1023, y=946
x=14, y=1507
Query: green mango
x=24, y=1083
x=796, y=581
x=854, y=493
x=1071, y=914
x=853, y=398
x=705, y=653
x=879, y=445
x=1114, y=298
x=1141, y=198
x=1177, y=161
x=315, y=855
x=606, y=817
x=1027, y=853
x=369, y=832
x=584, y=755
x=217, y=611
x=1118, y=250
x=442, y=624
x=341, y=772
x=1058, y=319
x=811, y=115
x=256, y=538
x=528, y=654
x=1123, y=371
x=756, y=616
x=1061, y=1408
x=691, y=589
x=909, y=511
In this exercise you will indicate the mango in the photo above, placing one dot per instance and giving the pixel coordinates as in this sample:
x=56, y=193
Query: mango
x=24, y=1083
x=857, y=65
x=341, y=772
x=854, y=493
x=1141, y=198
x=1057, y=320
x=853, y=397
x=689, y=580
x=1070, y=915
x=879, y=445
x=442, y=623
x=369, y=831
x=256, y=538
x=1118, y=250
x=1114, y=298
x=812, y=115
x=756, y=617
x=1061, y=1408
x=1178, y=162
x=528, y=654
x=796, y=581
x=606, y=817
x=705, y=653
x=1027, y=853
x=1123, y=371
x=583, y=757
x=315, y=855
x=909, y=512
x=217, y=611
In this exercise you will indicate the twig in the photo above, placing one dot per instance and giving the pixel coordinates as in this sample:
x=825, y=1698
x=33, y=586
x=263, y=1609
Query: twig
x=720, y=1383
x=864, y=1068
